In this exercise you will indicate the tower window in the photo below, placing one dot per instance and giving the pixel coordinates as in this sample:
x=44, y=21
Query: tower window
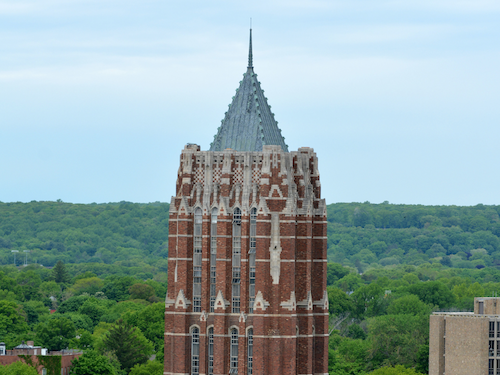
x=195, y=351
x=197, y=260
x=213, y=258
x=236, y=261
x=233, y=364
x=211, y=351
x=250, y=351
x=251, y=259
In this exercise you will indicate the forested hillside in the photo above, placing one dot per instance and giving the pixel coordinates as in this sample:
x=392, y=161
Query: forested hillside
x=413, y=259
x=360, y=235
x=364, y=234
x=84, y=233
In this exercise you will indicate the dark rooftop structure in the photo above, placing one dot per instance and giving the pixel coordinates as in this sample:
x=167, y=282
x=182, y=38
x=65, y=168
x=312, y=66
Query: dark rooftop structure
x=249, y=123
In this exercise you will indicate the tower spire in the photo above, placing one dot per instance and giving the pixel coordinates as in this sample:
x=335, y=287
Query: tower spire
x=250, y=56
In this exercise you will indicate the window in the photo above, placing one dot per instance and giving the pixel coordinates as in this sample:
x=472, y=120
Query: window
x=481, y=307
x=198, y=218
x=492, y=329
x=210, y=351
x=195, y=351
x=251, y=259
x=213, y=258
x=236, y=260
x=492, y=348
x=250, y=351
x=498, y=366
x=233, y=364
x=491, y=363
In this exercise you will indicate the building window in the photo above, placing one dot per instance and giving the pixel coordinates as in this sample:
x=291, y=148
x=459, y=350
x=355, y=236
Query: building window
x=481, y=307
x=198, y=218
x=492, y=348
x=250, y=351
x=213, y=258
x=251, y=259
x=233, y=364
x=210, y=351
x=492, y=329
x=498, y=349
x=491, y=363
x=498, y=366
x=195, y=351
x=236, y=260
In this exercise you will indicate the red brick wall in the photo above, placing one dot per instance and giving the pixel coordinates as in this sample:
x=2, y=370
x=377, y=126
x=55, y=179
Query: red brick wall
x=287, y=184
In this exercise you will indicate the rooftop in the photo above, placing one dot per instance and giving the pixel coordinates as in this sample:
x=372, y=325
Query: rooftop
x=249, y=123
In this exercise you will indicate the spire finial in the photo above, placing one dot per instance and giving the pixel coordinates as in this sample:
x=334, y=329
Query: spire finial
x=250, y=56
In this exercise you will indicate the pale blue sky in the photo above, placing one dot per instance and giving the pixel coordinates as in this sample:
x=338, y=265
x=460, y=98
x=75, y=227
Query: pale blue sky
x=400, y=99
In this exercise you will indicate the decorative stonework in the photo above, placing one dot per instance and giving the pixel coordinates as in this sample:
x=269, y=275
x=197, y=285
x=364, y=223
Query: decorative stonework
x=291, y=304
x=306, y=303
x=260, y=302
x=275, y=248
x=181, y=302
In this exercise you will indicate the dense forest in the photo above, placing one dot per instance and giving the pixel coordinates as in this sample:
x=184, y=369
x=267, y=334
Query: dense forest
x=97, y=276
x=360, y=235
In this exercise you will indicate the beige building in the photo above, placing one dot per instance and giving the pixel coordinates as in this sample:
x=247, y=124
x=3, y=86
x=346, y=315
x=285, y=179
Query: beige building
x=466, y=343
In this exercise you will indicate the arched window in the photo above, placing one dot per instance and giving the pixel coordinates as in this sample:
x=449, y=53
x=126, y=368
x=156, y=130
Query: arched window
x=211, y=351
x=198, y=218
x=233, y=364
x=213, y=258
x=251, y=259
x=236, y=260
x=250, y=351
x=195, y=351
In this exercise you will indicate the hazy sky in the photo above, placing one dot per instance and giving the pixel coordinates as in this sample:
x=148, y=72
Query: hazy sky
x=400, y=99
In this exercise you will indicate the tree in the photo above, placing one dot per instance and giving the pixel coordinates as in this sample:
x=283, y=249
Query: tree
x=433, y=293
x=149, y=368
x=56, y=333
x=334, y=272
x=141, y=291
x=59, y=273
x=92, y=363
x=395, y=338
x=397, y=370
x=12, y=323
x=18, y=368
x=151, y=322
x=410, y=305
x=128, y=344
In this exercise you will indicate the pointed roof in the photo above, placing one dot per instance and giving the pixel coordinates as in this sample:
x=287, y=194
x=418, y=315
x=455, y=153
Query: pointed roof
x=249, y=123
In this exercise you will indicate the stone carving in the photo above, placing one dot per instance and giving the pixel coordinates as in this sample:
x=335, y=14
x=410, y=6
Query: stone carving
x=275, y=249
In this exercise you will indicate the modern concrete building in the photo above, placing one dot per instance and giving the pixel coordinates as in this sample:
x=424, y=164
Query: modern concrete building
x=247, y=251
x=466, y=343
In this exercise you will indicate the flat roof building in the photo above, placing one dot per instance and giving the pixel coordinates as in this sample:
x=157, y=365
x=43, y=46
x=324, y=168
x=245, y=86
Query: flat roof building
x=466, y=343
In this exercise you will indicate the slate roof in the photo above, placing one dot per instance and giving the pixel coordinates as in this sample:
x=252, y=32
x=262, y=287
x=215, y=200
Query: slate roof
x=249, y=123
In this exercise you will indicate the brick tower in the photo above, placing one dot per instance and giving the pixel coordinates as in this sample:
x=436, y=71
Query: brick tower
x=247, y=251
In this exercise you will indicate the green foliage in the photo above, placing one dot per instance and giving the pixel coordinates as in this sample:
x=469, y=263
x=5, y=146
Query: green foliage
x=56, y=333
x=12, y=323
x=151, y=322
x=128, y=344
x=148, y=368
x=397, y=370
x=433, y=293
x=59, y=273
x=93, y=363
x=408, y=305
x=52, y=363
x=394, y=338
x=17, y=368
x=339, y=301
x=141, y=291
x=34, y=310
